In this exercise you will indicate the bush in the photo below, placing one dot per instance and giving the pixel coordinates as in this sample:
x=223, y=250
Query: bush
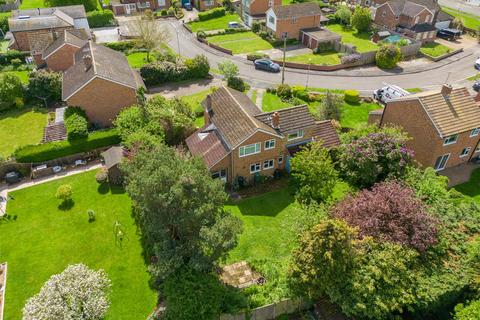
x=264, y=35
x=210, y=14
x=198, y=67
x=77, y=127
x=255, y=27
x=201, y=34
x=4, y=22
x=284, y=91
x=7, y=57
x=236, y=83
x=257, y=55
x=11, y=91
x=99, y=19
x=16, y=62
x=54, y=150
x=343, y=15
x=91, y=215
x=323, y=47
x=101, y=176
x=45, y=85
x=388, y=56
x=64, y=192
x=122, y=46
x=90, y=5
x=352, y=96
x=361, y=19
x=301, y=93
x=164, y=12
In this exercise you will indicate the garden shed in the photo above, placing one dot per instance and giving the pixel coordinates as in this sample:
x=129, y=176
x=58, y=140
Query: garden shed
x=112, y=159
x=314, y=36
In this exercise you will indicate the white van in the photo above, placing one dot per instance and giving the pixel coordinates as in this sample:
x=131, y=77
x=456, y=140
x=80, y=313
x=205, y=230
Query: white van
x=389, y=92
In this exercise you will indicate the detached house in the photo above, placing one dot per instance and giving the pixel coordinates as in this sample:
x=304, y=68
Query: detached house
x=60, y=55
x=255, y=10
x=35, y=30
x=444, y=125
x=239, y=140
x=101, y=82
x=288, y=21
x=121, y=7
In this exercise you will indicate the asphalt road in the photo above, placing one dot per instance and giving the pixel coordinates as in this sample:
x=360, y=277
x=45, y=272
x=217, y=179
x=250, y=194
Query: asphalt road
x=462, y=6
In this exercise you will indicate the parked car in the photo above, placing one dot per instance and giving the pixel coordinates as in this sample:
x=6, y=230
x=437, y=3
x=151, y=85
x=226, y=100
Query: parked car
x=267, y=65
x=476, y=86
x=477, y=64
x=234, y=24
x=449, y=34
x=12, y=177
x=80, y=162
x=57, y=169
x=389, y=92
x=188, y=6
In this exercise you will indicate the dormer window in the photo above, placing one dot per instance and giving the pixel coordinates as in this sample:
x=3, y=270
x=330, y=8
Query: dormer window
x=450, y=139
x=474, y=132
x=295, y=135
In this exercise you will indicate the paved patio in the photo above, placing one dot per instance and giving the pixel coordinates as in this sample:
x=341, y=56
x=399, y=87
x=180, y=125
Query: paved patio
x=459, y=174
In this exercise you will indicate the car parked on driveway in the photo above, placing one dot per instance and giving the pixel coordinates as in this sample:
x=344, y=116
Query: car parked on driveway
x=476, y=86
x=477, y=64
x=449, y=34
x=267, y=65
x=188, y=6
x=234, y=25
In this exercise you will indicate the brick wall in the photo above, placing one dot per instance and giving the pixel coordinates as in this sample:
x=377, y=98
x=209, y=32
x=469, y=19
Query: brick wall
x=62, y=59
x=293, y=27
x=103, y=100
x=384, y=16
x=37, y=39
x=261, y=6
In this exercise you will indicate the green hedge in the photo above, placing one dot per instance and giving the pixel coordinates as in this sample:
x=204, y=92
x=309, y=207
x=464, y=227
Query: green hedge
x=7, y=57
x=58, y=149
x=98, y=19
x=210, y=14
x=352, y=96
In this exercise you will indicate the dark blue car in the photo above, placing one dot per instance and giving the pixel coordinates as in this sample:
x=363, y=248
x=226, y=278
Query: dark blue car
x=267, y=65
x=188, y=6
x=476, y=86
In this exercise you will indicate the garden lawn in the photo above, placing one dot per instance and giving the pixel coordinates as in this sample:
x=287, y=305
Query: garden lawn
x=43, y=240
x=356, y=115
x=32, y=4
x=324, y=58
x=242, y=42
x=137, y=60
x=468, y=20
x=23, y=75
x=219, y=23
x=434, y=49
x=19, y=128
x=475, y=77
x=271, y=102
x=472, y=187
x=195, y=101
x=350, y=36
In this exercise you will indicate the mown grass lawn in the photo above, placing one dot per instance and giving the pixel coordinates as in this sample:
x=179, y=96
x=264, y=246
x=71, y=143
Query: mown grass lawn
x=468, y=20
x=195, y=101
x=214, y=24
x=32, y=4
x=19, y=128
x=242, y=42
x=324, y=58
x=435, y=49
x=43, y=240
x=271, y=102
x=472, y=187
x=23, y=75
x=137, y=60
x=351, y=36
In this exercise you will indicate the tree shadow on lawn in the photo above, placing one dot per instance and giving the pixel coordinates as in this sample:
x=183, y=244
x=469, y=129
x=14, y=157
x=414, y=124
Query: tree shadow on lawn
x=16, y=113
x=106, y=187
x=66, y=205
x=472, y=187
x=268, y=204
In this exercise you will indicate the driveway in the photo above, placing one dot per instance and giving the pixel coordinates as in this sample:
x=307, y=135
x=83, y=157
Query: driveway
x=472, y=7
x=110, y=34
x=465, y=42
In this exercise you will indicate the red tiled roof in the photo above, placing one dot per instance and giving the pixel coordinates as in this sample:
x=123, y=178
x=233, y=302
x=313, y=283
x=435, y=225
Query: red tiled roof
x=208, y=145
x=325, y=132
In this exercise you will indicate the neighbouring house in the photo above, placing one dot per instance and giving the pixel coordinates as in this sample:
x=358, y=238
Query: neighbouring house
x=239, y=140
x=203, y=5
x=112, y=159
x=313, y=37
x=101, y=82
x=444, y=125
x=414, y=18
x=288, y=21
x=34, y=30
x=443, y=20
x=59, y=56
x=255, y=10
x=122, y=7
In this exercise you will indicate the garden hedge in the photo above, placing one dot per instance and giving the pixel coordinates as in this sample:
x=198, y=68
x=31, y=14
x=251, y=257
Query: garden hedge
x=210, y=14
x=58, y=149
x=7, y=57
x=122, y=46
x=352, y=96
x=101, y=18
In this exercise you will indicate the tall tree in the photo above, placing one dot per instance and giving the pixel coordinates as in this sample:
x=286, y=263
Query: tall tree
x=361, y=19
x=330, y=107
x=46, y=86
x=76, y=293
x=11, y=90
x=151, y=36
x=180, y=210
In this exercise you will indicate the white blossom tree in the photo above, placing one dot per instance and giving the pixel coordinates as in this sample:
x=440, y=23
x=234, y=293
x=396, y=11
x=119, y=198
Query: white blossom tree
x=78, y=293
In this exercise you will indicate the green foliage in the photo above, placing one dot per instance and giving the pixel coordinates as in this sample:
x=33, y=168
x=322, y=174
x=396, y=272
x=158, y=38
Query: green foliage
x=101, y=18
x=122, y=46
x=228, y=69
x=256, y=55
x=256, y=27
x=7, y=57
x=4, y=23
x=192, y=295
x=361, y=19
x=343, y=15
x=198, y=67
x=180, y=212
x=313, y=174
x=471, y=311
x=352, y=96
x=201, y=34
x=284, y=91
x=58, y=149
x=77, y=127
x=101, y=176
x=330, y=107
x=90, y=5
x=45, y=85
x=64, y=192
x=210, y=14
x=388, y=56
x=237, y=83
x=11, y=91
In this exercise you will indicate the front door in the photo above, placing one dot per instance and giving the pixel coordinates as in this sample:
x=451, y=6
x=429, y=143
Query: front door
x=287, y=164
x=441, y=162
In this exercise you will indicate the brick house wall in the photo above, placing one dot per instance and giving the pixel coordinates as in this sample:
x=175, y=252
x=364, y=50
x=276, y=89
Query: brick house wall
x=384, y=16
x=102, y=100
x=62, y=59
x=424, y=17
x=258, y=7
x=426, y=142
x=293, y=27
x=36, y=39
x=203, y=5
x=119, y=9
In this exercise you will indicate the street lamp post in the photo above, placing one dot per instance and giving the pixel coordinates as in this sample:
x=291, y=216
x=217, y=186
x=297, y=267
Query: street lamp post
x=178, y=39
x=308, y=73
x=284, y=35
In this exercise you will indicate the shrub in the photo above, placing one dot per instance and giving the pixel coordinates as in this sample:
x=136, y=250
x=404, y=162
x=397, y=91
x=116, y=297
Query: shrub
x=323, y=47
x=74, y=110
x=91, y=215
x=53, y=150
x=45, y=85
x=16, y=62
x=89, y=5
x=256, y=55
x=198, y=67
x=201, y=34
x=390, y=212
x=4, y=22
x=210, y=14
x=330, y=107
x=350, y=58
x=264, y=35
x=301, y=93
x=163, y=12
x=103, y=18
x=284, y=91
x=64, y=192
x=7, y=57
x=255, y=27
x=343, y=15
x=361, y=19
x=403, y=42
x=11, y=91
x=122, y=46
x=77, y=127
x=388, y=56
x=101, y=176
x=236, y=83
x=352, y=96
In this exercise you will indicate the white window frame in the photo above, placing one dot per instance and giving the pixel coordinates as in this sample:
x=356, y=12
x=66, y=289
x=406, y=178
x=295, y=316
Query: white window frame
x=209, y=3
x=270, y=3
x=221, y=174
x=298, y=135
x=447, y=142
x=446, y=161
x=294, y=20
x=474, y=132
x=280, y=159
x=462, y=154
x=257, y=146
x=257, y=167
x=269, y=144
x=271, y=19
x=270, y=164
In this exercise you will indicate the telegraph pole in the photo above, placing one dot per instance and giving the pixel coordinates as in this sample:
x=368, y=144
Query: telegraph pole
x=284, y=35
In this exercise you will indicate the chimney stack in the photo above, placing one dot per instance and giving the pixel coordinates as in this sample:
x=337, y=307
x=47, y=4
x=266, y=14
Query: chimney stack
x=87, y=60
x=446, y=90
x=276, y=120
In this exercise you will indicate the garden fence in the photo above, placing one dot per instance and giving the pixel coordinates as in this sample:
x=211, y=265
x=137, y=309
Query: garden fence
x=10, y=6
x=271, y=311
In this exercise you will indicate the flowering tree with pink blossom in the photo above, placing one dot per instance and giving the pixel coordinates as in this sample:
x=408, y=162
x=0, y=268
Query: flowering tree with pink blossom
x=390, y=212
